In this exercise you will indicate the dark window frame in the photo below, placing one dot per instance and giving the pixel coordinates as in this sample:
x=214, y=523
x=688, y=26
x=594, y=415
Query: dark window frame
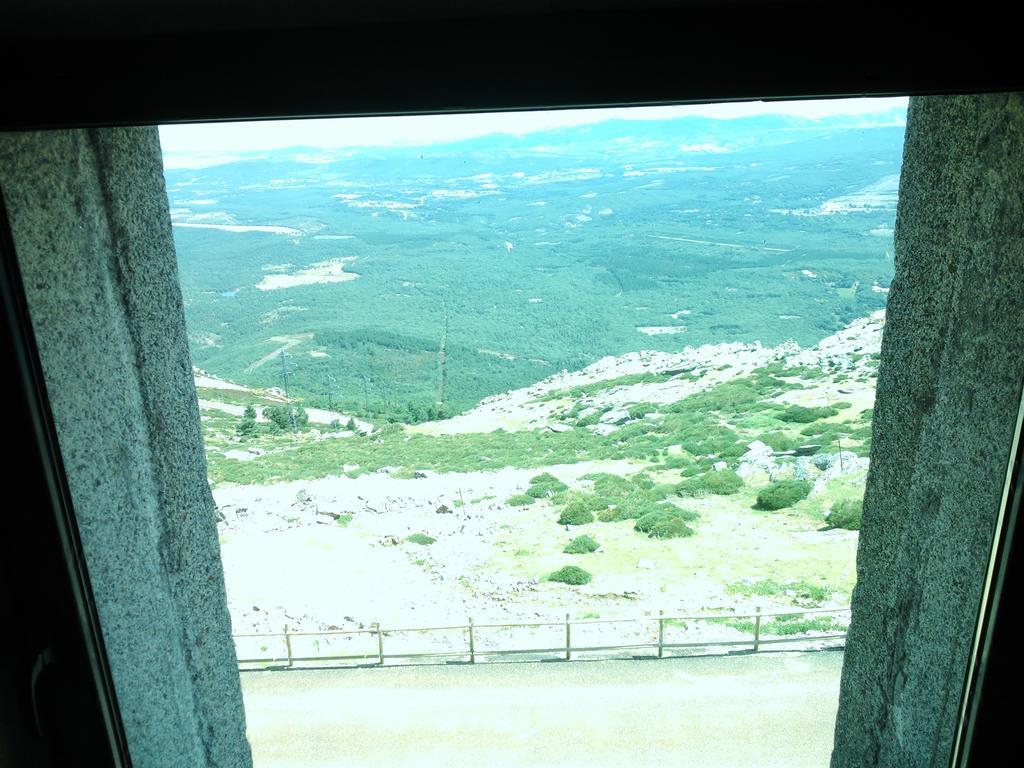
x=107, y=67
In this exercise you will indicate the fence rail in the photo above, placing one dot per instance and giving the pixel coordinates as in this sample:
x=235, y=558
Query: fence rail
x=472, y=651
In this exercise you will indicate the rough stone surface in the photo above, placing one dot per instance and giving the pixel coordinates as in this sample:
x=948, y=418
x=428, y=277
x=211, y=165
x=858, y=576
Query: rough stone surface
x=949, y=386
x=88, y=211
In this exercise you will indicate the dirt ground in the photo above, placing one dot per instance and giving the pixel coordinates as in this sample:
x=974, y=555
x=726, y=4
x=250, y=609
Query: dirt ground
x=767, y=710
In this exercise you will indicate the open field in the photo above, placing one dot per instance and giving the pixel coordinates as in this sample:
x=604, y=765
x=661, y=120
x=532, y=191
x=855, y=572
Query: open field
x=769, y=710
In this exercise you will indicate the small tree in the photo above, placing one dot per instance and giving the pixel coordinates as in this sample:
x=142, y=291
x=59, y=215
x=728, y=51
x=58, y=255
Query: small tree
x=250, y=412
x=287, y=416
x=246, y=427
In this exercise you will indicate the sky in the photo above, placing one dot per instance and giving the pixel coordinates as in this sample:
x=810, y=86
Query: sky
x=200, y=144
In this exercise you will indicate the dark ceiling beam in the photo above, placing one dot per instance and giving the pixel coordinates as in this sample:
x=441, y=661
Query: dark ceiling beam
x=543, y=55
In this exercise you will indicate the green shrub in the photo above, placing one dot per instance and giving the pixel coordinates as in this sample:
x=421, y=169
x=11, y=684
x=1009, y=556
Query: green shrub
x=663, y=517
x=581, y=545
x=610, y=515
x=640, y=410
x=719, y=482
x=779, y=441
x=592, y=501
x=635, y=508
x=846, y=513
x=420, y=538
x=784, y=493
x=606, y=484
x=545, y=485
x=673, y=528
x=541, y=491
x=570, y=574
x=677, y=462
x=803, y=415
x=519, y=500
x=575, y=514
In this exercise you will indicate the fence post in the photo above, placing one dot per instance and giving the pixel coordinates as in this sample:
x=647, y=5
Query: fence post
x=472, y=646
x=380, y=644
x=661, y=633
x=568, y=639
x=288, y=645
x=757, y=629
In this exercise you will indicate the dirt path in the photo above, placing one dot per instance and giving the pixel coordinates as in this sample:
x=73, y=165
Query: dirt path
x=770, y=709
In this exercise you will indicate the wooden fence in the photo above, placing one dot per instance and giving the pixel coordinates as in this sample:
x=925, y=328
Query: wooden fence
x=471, y=651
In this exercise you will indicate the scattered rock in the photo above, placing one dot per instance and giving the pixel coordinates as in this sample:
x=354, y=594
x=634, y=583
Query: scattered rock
x=614, y=417
x=759, y=459
x=823, y=460
x=560, y=427
x=719, y=465
x=851, y=464
x=807, y=450
x=444, y=509
x=247, y=455
x=327, y=518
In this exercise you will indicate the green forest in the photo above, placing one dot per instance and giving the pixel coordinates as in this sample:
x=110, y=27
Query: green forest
x=462, y=270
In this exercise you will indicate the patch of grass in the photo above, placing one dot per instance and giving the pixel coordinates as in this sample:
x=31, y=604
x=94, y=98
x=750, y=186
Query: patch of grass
x=606, y=484
x=789, y=625
x=784, y=493
x=570, y=574
x=519, y=500
x=581, y=545
x=343, y=520
x=803, y=415
x=771, y=588
x=421, y=539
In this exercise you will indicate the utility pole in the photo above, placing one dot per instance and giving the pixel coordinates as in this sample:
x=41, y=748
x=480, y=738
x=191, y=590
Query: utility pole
x=287, y=396
x=329, y=390
x=441, y=361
